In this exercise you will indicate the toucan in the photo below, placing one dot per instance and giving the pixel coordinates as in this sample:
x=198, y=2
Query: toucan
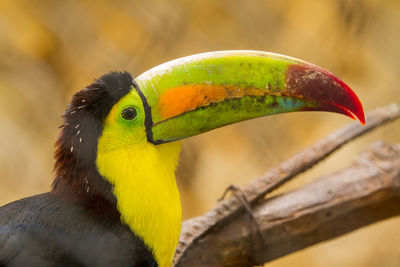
x=114, y=200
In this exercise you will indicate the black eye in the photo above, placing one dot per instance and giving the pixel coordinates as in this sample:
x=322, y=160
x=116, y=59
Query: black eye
x=129, y=113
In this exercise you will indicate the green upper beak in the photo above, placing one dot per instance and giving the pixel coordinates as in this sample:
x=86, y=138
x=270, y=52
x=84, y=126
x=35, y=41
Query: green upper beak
x=195, y=94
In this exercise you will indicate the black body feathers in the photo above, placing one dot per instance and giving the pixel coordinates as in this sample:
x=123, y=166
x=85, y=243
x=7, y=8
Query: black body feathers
x=45, y=230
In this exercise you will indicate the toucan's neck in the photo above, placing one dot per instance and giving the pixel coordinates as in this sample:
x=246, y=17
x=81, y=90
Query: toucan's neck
x=77, y=178
x=143, y=179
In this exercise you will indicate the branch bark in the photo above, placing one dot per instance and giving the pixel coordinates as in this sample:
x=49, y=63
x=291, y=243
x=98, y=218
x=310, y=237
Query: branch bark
x=363, y=193
x=196, y=230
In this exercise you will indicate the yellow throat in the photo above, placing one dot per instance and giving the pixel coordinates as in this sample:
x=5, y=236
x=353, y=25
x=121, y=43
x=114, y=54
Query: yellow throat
x=143, y=179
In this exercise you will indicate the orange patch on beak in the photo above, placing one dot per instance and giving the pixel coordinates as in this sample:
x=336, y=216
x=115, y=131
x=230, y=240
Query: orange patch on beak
x=181, y=99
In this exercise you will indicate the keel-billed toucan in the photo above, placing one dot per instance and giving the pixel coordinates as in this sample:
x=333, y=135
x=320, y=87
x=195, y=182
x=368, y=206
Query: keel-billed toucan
x=114, y=200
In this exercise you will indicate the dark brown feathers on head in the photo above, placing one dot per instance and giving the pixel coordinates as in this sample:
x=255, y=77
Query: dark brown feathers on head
x=77, y=178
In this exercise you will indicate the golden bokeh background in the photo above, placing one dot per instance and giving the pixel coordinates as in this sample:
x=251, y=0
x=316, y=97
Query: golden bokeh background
x=51, y=49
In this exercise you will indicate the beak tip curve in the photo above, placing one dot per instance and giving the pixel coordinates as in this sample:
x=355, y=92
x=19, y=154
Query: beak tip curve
x=332, y=94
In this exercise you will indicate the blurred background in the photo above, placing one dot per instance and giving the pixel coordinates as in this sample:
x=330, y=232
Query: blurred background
x=51, y=49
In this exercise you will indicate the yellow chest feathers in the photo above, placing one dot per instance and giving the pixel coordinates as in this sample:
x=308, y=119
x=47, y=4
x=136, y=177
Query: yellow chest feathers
x=143, y=177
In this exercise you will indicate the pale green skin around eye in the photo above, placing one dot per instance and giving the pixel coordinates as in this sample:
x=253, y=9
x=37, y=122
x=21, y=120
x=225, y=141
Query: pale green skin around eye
x=120, y=132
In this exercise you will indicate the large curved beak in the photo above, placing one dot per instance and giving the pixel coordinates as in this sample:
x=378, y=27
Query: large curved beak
x=195, y=94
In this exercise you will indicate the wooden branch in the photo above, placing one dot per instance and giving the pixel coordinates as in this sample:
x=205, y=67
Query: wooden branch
x=195, y=229
x=363, y=193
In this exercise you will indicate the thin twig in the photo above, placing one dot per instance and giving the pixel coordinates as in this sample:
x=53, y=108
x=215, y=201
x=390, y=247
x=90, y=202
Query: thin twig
x=193, y=230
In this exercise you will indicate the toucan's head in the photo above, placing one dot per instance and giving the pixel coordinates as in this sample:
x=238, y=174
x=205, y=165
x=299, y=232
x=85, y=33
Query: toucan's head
x=118, y=127
x=189, y=96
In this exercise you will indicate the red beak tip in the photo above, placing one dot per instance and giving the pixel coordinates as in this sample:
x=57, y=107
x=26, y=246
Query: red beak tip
x=360, y=118
x=362, y=122
x=313, y=82
x=355, y=115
